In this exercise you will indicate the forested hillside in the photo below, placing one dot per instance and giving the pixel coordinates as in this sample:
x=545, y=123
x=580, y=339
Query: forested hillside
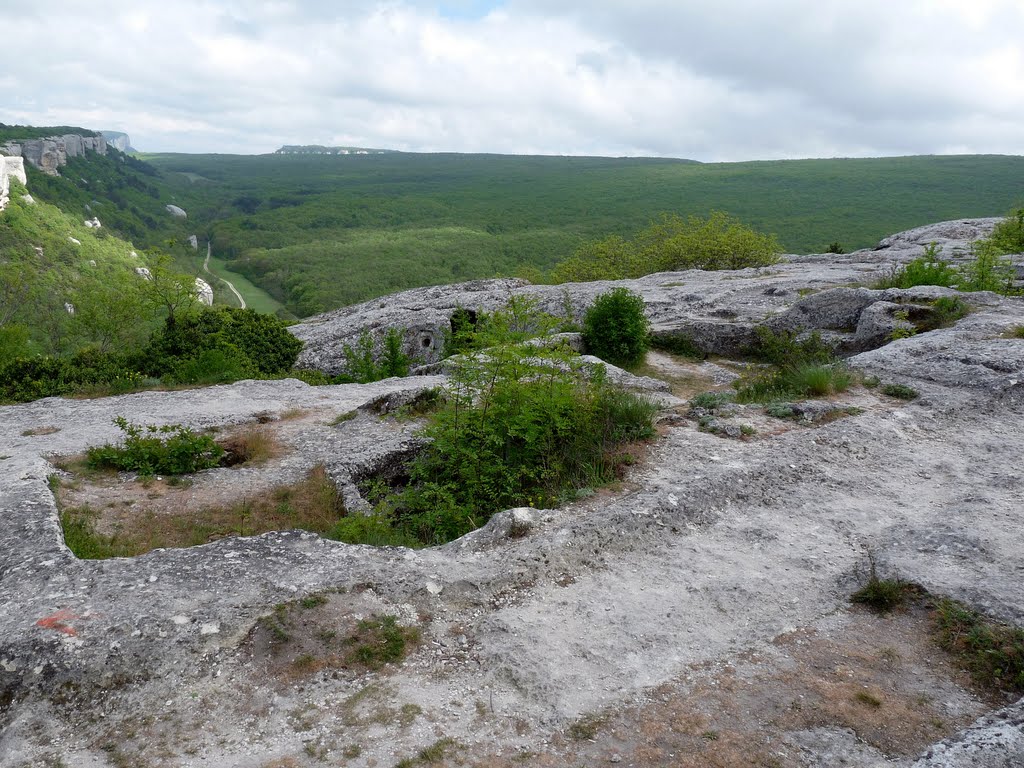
x=320, y=231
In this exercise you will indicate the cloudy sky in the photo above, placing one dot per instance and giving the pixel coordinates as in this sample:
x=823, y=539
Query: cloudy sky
x=724, y=80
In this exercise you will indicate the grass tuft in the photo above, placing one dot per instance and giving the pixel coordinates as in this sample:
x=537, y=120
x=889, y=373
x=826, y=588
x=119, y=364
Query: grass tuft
x=992, y=652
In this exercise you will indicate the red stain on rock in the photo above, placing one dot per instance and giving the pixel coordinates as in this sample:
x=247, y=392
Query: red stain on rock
x=59, y=622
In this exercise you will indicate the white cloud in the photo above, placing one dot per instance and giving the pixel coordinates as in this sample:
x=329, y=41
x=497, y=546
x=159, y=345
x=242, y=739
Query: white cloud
x=741, y=79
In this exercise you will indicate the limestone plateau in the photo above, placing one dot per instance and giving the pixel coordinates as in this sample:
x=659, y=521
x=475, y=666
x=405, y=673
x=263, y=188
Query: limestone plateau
x=52, y=153
x=696, y=615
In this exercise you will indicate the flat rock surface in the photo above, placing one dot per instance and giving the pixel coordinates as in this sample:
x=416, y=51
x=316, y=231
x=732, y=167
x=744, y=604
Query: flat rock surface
x=699, y=608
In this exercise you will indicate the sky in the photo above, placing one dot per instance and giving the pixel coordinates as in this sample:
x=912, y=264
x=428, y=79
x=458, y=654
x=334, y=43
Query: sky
x=712, y=81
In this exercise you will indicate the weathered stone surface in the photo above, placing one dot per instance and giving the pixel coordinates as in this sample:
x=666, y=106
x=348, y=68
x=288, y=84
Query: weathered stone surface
x=175, y=211
x=712, y=550
x=996, y=741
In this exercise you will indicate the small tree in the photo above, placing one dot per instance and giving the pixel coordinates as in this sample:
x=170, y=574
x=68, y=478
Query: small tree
x=616, y=329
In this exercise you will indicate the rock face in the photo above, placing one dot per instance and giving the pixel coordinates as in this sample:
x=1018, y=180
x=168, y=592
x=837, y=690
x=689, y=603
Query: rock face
x=50, y=154
x=717, y=312
x=10, y=168
x=715, y=554
x=176, y=212
x=118, y=140
x=204, y=292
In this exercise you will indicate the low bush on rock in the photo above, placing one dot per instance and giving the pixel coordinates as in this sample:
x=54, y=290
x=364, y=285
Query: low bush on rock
x=801, y=368
x=616, y=329
x=149, y=450
x=520, y=426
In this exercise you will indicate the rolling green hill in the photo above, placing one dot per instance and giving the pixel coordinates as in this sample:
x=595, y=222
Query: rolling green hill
x=320, y=231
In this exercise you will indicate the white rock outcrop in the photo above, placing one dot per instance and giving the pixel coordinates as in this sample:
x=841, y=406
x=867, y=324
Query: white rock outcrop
x=204, y=292
x=176, y=211
x=10, y=168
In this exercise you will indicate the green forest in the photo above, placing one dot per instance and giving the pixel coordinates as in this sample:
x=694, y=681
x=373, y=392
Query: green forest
x=322, y=231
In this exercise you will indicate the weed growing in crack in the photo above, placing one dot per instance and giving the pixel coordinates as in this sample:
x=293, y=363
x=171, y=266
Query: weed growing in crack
x=882, y=595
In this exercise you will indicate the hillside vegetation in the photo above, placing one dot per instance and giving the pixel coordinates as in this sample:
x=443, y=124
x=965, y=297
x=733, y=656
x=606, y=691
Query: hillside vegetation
x=320, y=231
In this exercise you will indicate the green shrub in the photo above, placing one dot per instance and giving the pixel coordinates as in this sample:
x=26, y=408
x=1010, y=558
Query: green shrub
x=87, y=371
x=928, y=269
x=249, y=345
x=988, y=271
x=616, y=329
x=835, y=247
x=1008, y=235
x=363, y=365
x=520, y=426
x=882, y=595
x=672, y=243
x=149, y=450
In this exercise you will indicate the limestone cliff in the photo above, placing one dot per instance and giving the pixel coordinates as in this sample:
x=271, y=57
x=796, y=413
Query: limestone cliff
x=49, y=154
x=10, y=168
x=118, y=140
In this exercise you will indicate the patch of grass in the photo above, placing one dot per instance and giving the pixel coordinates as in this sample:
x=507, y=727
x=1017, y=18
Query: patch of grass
x=586, y=728
x=780, y=410
x=711, y=401
x=681, y=344
x=900, y=391
x=868, y=699
x=431, y=755
x=342, y=418
x=312, y=504
x=254, y=445
x=380, y=640
x=992, y=652
x=928, y=269
x=946, y=310
x=795, y=382
x=1017, y=332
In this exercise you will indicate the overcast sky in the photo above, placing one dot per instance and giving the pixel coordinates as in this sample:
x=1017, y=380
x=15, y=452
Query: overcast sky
x=723, y=80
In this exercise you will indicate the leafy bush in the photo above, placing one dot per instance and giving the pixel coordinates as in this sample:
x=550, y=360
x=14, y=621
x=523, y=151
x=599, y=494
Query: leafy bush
x=220, y=344
x=616, y=329
x=145, y=450
x=672, y=243
x=988, y=271
x=1008, y=235
x=520, y=426
x=88, y=370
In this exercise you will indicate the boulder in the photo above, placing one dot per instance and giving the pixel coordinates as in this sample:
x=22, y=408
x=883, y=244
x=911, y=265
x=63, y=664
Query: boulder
x=175, y=211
